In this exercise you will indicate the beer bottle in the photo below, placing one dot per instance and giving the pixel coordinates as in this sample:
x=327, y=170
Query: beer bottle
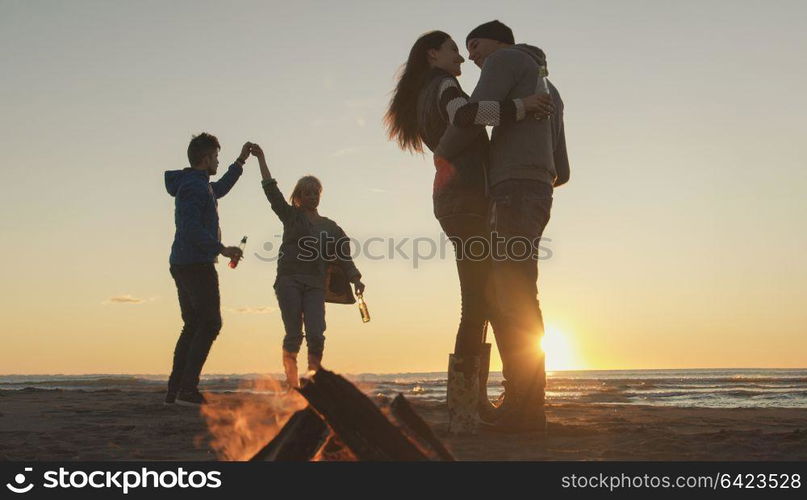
x=365, y=314
x=542, y=86
x=234, y=260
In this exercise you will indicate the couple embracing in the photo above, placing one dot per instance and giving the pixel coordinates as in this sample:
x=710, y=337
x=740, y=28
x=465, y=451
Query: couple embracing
x=497, y=190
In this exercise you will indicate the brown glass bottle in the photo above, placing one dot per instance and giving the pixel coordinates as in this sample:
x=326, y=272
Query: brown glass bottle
x=365, y=314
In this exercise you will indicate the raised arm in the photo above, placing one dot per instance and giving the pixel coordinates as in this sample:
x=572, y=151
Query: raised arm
x=279, y=204
x=223, y=186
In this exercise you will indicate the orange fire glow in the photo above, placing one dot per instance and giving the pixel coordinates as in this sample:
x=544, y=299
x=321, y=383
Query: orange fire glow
x=242, y=423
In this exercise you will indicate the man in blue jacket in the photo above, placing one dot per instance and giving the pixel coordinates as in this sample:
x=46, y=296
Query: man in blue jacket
x=197, y=243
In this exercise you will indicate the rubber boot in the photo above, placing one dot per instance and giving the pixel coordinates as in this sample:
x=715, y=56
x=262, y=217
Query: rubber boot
x=463, y=394
x=522, y=409
x=534, y=414
x=314, y=362
x=290, y=367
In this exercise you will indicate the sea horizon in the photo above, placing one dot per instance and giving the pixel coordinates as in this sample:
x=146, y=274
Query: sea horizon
x=165, y=374
x=689, y=387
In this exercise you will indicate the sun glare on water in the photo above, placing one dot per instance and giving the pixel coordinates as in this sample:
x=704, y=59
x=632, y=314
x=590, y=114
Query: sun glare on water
x=559, y=352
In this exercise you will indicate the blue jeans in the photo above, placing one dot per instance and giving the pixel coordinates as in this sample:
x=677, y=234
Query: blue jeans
x=198, y=292
x=301, y=304
x=519, y=209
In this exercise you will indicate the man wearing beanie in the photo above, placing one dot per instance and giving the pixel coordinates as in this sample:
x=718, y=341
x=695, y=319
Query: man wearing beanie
x=527, y=160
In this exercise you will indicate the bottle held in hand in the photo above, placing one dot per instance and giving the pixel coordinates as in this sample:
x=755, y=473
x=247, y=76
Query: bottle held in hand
x=542, y=86
x=365, y=314
x=242, y=245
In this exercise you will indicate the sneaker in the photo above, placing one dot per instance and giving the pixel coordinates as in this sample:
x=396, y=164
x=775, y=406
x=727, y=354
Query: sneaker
x=190, y=398
x=170, y=398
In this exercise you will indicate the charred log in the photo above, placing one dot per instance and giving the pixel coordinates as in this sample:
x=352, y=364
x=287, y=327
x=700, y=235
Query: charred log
x=298, y=441
x=357, y=421
x=418, y=430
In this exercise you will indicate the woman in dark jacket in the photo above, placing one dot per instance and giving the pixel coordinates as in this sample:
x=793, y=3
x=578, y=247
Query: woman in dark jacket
x=310, y=241
x=428, y=99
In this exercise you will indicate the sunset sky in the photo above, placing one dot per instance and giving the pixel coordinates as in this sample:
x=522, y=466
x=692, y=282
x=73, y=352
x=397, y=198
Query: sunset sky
x=678, y=243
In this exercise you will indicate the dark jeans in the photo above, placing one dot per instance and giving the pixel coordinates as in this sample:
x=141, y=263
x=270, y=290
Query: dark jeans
x=469, y=235
x=301, y=304
x=198, y=290
x=519, y=209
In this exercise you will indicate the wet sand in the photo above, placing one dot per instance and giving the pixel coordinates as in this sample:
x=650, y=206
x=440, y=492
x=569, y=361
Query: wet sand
x=115, y=425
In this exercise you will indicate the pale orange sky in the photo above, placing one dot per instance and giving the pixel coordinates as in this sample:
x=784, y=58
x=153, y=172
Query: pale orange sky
x=678, y=243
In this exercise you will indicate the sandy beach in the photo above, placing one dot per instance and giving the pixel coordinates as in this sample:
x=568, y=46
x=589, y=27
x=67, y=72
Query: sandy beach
x=112, y=425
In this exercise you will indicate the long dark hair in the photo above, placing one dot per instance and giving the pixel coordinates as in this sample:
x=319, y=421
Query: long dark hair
x=401, y=117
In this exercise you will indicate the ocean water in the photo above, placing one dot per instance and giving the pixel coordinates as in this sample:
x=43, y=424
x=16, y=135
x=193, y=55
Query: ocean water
x=734, y=388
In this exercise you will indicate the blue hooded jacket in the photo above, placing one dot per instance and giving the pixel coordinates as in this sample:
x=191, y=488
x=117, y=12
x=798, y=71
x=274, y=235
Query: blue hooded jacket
x=197, y=238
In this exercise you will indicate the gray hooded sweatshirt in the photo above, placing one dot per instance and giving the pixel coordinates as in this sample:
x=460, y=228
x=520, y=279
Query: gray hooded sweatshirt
x=528, y=149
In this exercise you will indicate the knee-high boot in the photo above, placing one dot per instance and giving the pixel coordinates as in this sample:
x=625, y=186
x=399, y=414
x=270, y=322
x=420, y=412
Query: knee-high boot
x=463, y=394
x=523, y=408
x=290, y=367
x=314, y=362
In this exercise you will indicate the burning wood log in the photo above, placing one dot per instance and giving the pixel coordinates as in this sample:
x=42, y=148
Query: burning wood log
x=344, y=424
x=357, y=421
x=334, y=450
x=298, y=441
x=418, y=430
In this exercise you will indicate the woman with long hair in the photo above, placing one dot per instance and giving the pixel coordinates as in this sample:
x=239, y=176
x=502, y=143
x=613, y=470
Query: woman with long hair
x=310, y=241
x=426, y=100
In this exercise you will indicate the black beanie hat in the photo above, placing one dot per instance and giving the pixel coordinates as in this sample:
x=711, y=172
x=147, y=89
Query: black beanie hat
x=493, y=30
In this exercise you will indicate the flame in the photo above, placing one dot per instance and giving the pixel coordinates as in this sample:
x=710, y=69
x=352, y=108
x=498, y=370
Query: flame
x=242, y=423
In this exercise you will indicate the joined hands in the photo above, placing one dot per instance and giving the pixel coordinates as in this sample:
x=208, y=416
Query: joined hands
x=256, y=151
x=250, y=148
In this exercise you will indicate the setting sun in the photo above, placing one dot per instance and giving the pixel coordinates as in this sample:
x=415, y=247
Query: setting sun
x=559, y=352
